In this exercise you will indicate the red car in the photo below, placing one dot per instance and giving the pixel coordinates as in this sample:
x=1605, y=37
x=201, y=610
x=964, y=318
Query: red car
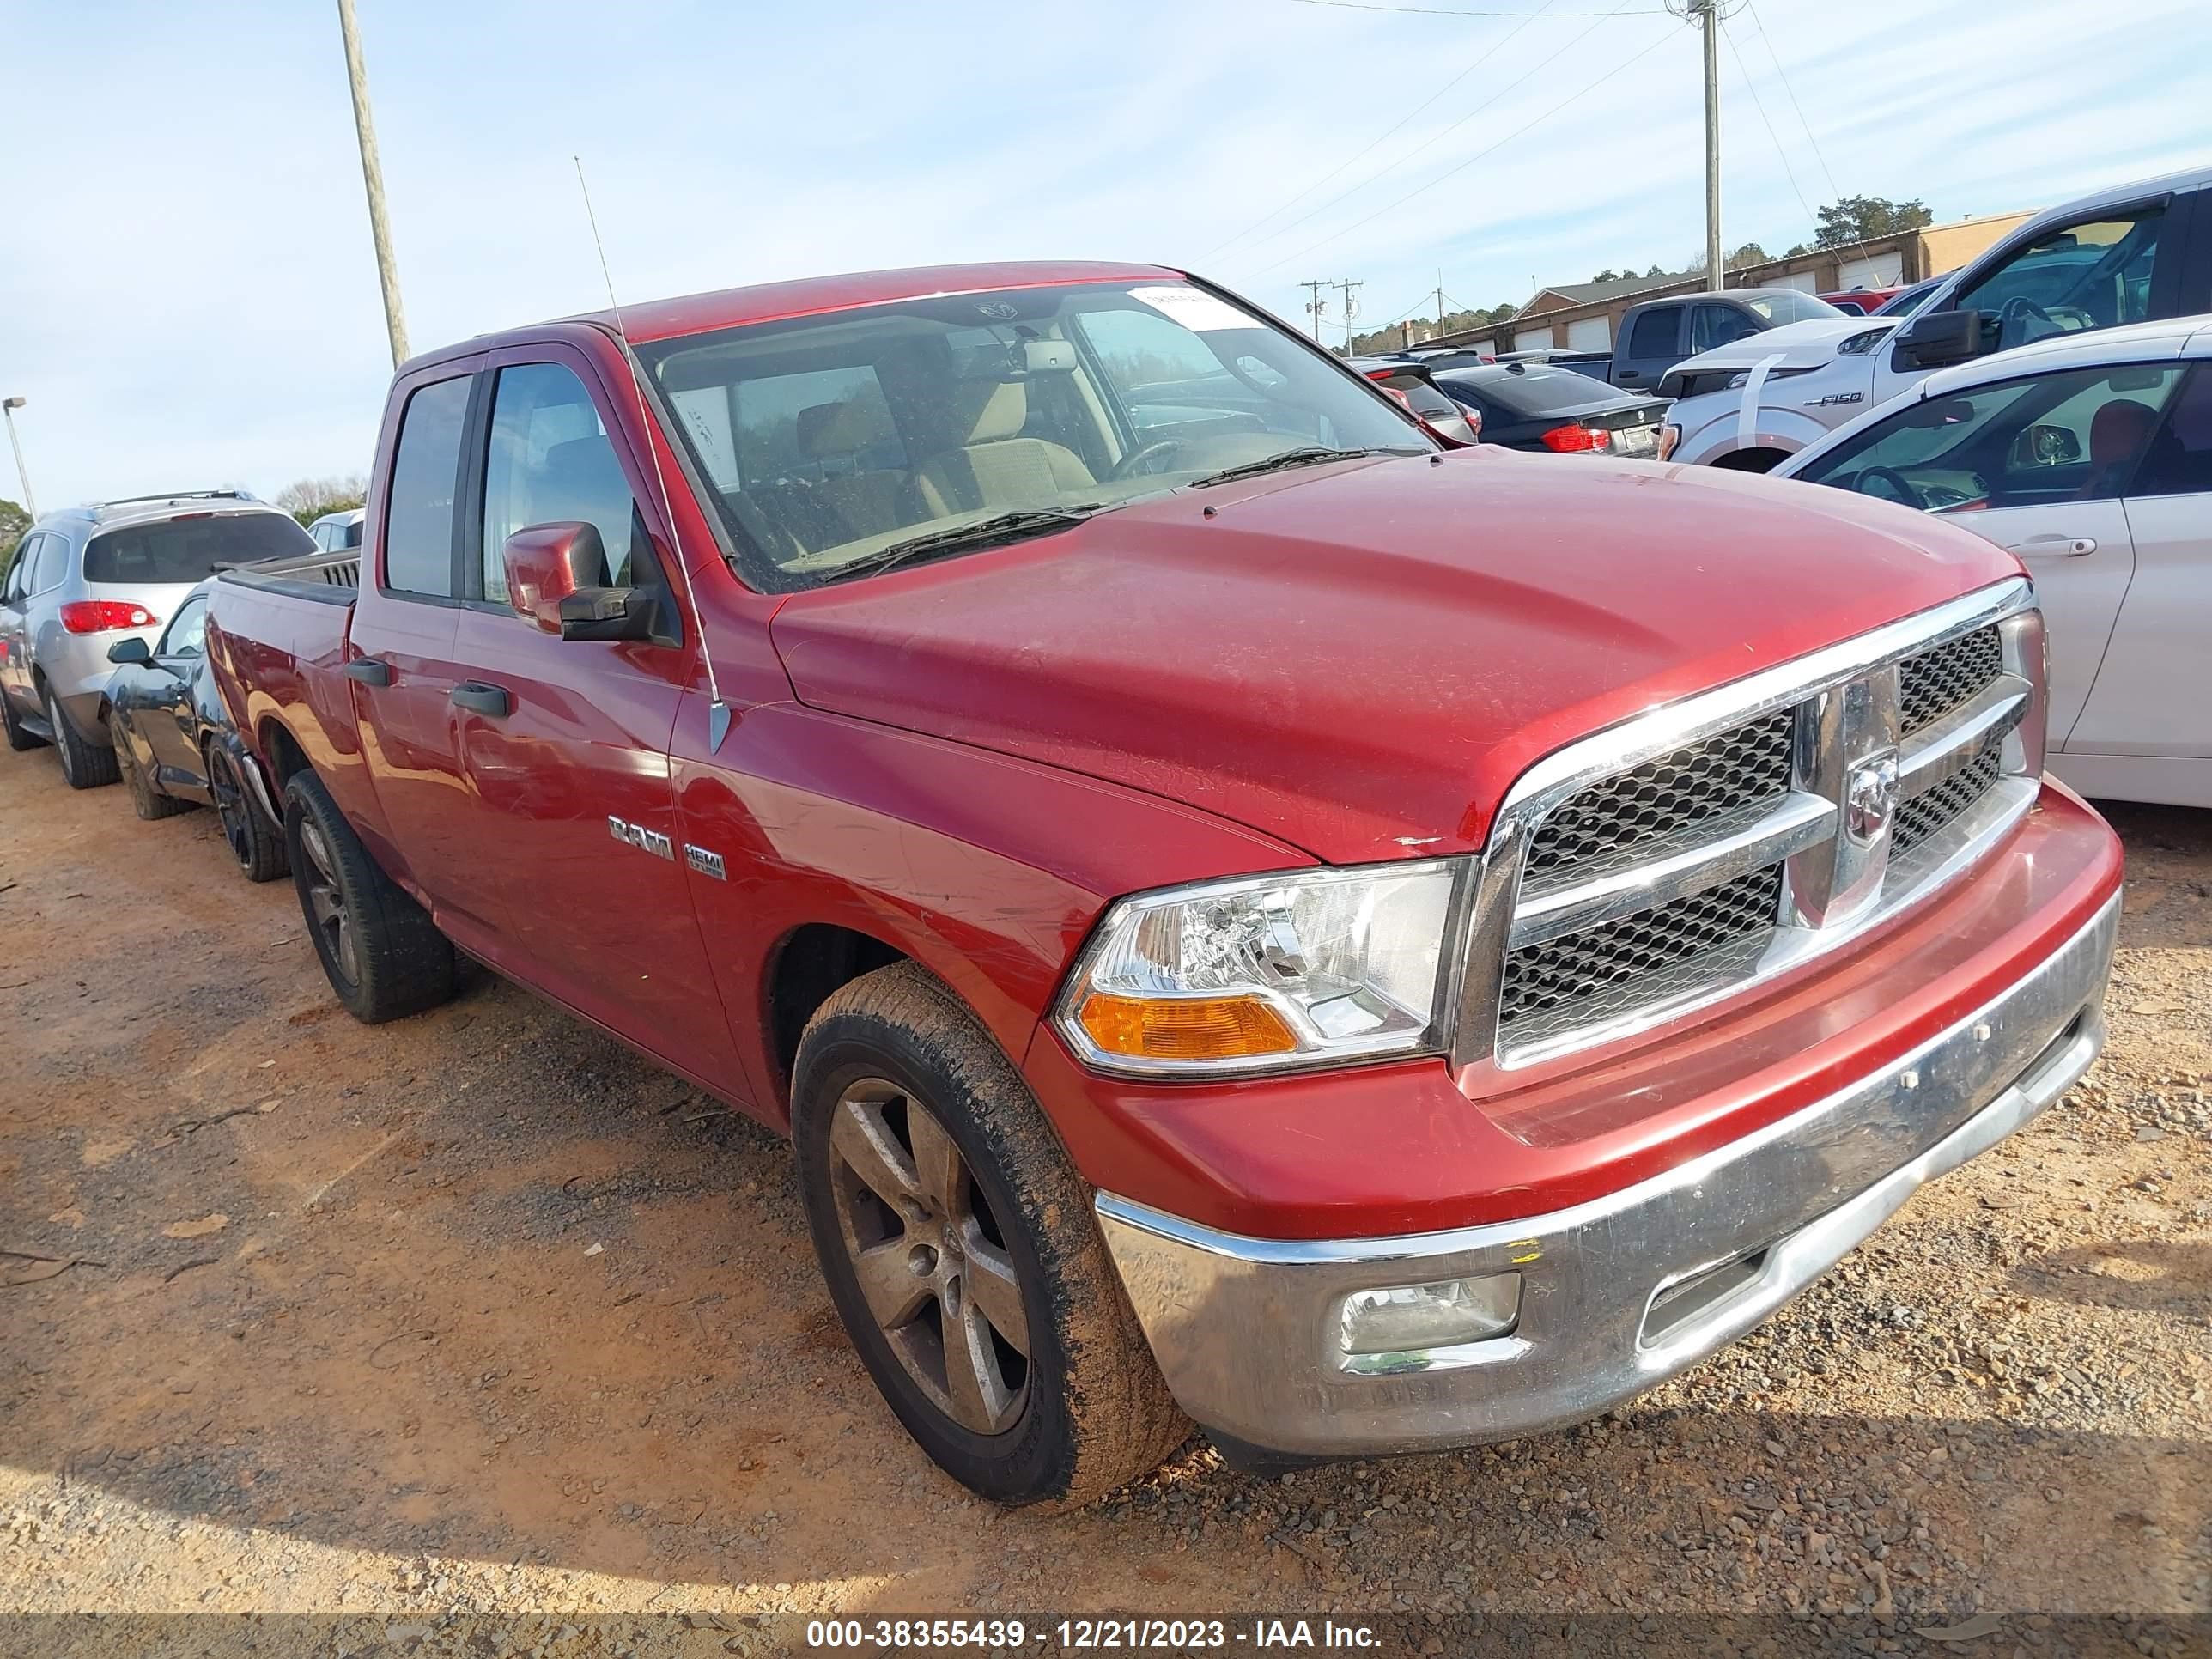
x=1865, y=301
x=1246, y=915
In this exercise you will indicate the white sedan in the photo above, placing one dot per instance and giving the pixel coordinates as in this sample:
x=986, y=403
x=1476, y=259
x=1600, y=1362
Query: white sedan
x=2090, y=456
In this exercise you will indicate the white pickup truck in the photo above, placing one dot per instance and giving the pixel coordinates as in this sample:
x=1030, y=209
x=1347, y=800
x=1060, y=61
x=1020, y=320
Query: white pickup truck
x=2129, y=254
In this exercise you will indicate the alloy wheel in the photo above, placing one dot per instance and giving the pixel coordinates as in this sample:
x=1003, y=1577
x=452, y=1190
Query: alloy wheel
x=231, y=806
x=930, y=1259
x=326, y=904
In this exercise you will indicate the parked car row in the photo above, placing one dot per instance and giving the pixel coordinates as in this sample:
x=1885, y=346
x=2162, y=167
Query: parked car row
x=1251, y=912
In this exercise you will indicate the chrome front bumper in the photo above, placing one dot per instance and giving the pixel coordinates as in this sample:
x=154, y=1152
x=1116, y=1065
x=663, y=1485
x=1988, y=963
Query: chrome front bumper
x=1618, y=1294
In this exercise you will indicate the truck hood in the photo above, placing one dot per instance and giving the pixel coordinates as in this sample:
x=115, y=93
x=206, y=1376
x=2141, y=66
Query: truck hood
x=1800, y=345
x=1359, y=658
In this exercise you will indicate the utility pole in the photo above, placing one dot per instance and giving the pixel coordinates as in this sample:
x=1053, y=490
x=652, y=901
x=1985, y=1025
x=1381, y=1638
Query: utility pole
x=8, y=407
x=371, y=176
x=1315, y=305
x=1351, y=308
x=1707, y=14
x=1440, y=300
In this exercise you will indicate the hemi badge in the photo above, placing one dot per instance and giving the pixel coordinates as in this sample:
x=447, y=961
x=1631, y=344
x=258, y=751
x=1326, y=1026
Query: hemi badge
x=706, y=863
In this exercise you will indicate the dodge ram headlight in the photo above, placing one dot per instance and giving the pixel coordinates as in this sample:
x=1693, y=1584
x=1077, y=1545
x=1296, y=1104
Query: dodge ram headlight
x=1266, y=973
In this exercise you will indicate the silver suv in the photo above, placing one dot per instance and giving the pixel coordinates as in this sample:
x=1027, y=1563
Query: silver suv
x=87, y=576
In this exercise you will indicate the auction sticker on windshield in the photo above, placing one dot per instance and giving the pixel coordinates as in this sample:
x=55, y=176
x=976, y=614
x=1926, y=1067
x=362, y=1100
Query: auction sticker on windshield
x=1194, y=308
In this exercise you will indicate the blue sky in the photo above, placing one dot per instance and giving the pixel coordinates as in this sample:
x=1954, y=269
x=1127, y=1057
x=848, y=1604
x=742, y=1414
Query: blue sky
x=189, y=297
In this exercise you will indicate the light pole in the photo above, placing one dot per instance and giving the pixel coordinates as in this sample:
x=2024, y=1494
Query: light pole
x=372, y=177
x=8, y=407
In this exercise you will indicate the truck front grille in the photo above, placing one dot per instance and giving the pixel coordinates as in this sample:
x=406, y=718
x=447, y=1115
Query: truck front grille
x=1574, y=971
x=1933, y=683
x=1692, y=784
x=1631, y=879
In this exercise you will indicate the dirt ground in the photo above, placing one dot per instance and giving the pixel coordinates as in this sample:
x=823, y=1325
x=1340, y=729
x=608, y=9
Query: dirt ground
x=477, y=1311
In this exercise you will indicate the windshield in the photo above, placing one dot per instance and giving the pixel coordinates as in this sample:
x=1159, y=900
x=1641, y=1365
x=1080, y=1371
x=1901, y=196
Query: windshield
x=825, y=440
x=191, y=548
x=1783, y=305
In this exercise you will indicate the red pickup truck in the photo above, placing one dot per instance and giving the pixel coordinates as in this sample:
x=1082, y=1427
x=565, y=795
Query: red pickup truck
x=1248, y=913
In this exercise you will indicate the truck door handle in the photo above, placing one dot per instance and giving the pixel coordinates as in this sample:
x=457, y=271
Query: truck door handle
x=482, y=699
x=2062, y=547
x=370, y=671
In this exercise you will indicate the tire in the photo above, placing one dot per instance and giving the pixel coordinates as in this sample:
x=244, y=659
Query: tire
x=383, y=955
x=146, y=801
x=18, y=738
x=1084, y=1409
x=85, y=765
x=256, y=843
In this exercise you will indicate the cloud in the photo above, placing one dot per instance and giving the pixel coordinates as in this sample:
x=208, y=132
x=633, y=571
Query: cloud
x=190, y=298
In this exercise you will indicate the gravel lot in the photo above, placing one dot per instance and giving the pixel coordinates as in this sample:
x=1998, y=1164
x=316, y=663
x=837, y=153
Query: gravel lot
x=477, y=1312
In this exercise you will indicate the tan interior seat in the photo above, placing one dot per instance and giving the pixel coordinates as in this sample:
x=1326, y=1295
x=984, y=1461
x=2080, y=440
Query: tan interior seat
x=995, y=467
x=861, y=503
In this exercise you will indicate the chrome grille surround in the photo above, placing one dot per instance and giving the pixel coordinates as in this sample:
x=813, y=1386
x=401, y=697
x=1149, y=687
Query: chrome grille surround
x=1875, y=817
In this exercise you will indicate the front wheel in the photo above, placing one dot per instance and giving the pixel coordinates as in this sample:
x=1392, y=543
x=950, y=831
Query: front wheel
x=145, y=799
x=382, y=954
x=961, y=1253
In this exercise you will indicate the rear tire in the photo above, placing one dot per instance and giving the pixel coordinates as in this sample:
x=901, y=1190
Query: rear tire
x=382, y=954
x=1036, y=1386
x=146, y=801
x=256, y=843
x=18, y=738
x=85, y=765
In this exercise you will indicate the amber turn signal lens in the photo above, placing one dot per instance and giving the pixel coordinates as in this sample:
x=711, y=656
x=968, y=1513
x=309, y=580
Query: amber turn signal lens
x=1185, y=1028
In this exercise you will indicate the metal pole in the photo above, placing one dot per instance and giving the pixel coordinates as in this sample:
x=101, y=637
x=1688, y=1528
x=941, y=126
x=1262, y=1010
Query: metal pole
x=1709, y=16
x=8, y=407
x=1313, y=305
x=371, y=176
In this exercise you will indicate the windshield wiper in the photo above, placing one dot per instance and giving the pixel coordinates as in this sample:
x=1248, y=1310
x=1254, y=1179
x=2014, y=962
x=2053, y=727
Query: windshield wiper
x=1306, y=455
x=1000, y=528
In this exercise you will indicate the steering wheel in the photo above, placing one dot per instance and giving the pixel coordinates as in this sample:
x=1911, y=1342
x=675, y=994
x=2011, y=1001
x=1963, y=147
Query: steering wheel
x=1136, y=462
x=1906, y=495
x=2017, y=310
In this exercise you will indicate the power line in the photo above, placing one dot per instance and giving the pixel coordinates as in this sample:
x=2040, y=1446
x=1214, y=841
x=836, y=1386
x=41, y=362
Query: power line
x=1784, y=74
x=1488, y=53
x=1452, y=11
x=1480, y=154
x=1441, y=133
x=1744, y=69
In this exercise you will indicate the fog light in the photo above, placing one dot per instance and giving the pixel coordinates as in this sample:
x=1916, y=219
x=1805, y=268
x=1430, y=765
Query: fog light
x=1406, y=1318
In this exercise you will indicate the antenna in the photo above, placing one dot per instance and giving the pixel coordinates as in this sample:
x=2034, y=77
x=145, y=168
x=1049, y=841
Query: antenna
x=718, y=712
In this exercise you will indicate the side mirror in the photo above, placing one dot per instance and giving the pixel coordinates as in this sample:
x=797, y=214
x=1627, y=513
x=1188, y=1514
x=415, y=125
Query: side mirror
x=1930, y=341
x=554, y=577
x=547, y=562
x=131, y=650
x=2045, y=445
x=611, y=613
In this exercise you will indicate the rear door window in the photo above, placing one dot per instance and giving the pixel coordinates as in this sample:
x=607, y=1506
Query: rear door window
x=191, y=548
x=1654, y=331
x=2179, y=459
x=419, y=519
x=53, y=565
